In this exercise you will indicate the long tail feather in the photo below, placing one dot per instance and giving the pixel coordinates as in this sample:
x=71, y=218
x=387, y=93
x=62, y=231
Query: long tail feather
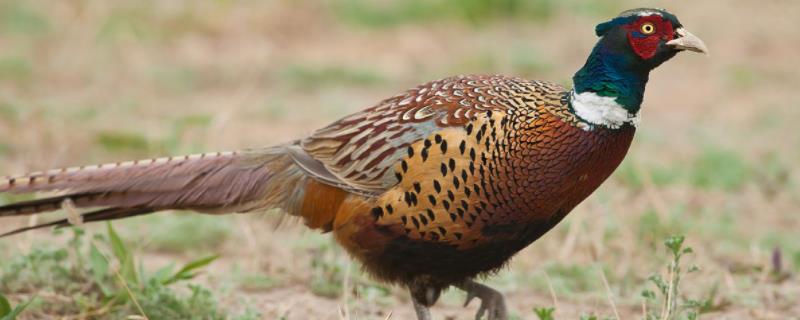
x=24, y=208
x=212, y=183
x=94, y=216
x=170, y=173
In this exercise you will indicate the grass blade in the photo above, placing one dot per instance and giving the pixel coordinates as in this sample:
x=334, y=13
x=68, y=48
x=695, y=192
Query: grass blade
x=127, y=266
x=5, y=307
x=6, y=313
x=186, y=273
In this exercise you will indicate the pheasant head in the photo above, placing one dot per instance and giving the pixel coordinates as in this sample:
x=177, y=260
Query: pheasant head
x=609, y=89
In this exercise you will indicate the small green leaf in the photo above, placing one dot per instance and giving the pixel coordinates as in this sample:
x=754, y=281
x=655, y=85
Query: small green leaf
x=544, y=313
x=6, y=313
x=186, y=273
x=162, y=275
x=127, y=265
x=18, y=310
x=674, y=243
x=99, y=267
x=659, y=282
x=120, y=251
x=5, y=307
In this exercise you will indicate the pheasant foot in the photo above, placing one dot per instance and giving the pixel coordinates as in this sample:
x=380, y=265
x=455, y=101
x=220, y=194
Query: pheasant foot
x=493, y=305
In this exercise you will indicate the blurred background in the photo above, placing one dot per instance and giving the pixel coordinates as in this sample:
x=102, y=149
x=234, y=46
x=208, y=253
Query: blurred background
x=85, y=81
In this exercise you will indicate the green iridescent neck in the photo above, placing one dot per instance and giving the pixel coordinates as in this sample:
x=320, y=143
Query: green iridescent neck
x=613, y=74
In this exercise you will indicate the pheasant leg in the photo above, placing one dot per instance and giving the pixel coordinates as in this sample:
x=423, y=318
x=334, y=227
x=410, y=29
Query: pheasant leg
x=492, y=301
x=423, y=312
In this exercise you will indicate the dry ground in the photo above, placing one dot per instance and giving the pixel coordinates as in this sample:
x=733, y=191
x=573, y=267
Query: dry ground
x=716, y=157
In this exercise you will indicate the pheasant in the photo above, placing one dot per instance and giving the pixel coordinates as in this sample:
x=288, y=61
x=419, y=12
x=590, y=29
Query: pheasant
x=428, y=189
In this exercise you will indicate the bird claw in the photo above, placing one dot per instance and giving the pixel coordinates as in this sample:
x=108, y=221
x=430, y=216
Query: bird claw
x=493, y=305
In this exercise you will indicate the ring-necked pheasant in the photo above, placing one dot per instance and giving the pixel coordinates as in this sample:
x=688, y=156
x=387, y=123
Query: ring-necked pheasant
x=428, y=189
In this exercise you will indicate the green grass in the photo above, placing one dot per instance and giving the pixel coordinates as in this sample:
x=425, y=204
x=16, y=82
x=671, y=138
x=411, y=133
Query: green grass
x=328, y=270
x=328, y=266
x=796, y=260
x=146, y=22
x=595, y=317
x=545, y=313
x=187, y=134
x=182, y=233
x=15, y=69
x=526, y=61
x=596, y=9
x=653, y=227
x=5, y=149
x=174, y=78
x=523, y=60
x=9, y=112
x=381, y=14
x=119, y=141
x=476, y=62
x=276, y=110
x=9, y=312
x=714, y=168
x=127, y=22
x=634, y=178
x=717, y=168
x=742, y=77
x=667, y=302
x=571, y=279
x=101, y=274
x=787, y=248
x=306, y=77
x=255, y=282
x=386, y=14
x=773, y=174
x=18, y=18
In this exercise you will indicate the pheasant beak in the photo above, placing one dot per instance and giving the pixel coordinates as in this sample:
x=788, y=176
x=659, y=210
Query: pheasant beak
x=687, y=41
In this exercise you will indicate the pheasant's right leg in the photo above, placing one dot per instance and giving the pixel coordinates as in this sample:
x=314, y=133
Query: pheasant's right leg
x=423, y=312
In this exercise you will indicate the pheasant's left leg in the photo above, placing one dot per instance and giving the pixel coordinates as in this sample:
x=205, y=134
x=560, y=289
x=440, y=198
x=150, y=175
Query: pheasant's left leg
x=491, y=300
x=423, y=296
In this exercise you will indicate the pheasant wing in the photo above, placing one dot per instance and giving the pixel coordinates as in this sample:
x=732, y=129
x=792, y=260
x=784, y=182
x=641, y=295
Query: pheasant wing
x=359, y=151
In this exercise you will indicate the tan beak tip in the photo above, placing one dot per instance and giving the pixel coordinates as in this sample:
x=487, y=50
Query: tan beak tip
x=688, y=41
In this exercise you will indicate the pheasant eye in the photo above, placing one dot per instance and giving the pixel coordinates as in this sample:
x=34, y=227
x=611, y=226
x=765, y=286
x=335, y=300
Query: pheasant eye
x=648, y=28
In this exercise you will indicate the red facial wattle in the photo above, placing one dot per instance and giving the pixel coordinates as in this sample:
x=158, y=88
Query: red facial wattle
x=644, y=45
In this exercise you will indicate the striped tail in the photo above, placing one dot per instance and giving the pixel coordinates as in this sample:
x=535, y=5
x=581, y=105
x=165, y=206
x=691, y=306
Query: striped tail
x=211, y=183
